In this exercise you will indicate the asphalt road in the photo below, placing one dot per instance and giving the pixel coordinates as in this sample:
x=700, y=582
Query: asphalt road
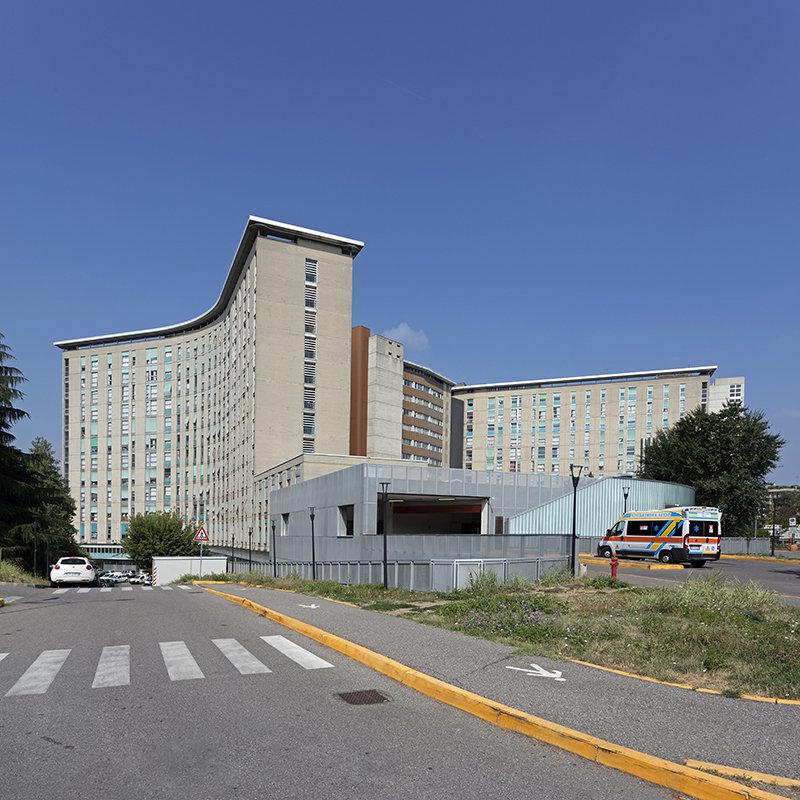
x=782, y=578
x=130, y=693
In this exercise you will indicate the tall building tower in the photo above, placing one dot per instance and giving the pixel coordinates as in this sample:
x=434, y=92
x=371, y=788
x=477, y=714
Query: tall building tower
x=182, y=417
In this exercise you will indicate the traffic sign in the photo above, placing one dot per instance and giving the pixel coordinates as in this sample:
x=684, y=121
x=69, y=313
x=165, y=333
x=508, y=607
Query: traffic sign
x=201, y=536
x=792, y=522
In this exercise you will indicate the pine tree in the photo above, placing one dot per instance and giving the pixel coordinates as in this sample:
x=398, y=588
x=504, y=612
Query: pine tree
x=15, y=488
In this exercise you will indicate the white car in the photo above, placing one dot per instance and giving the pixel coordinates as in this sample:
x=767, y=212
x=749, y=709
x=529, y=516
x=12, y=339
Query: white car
x=73, y=569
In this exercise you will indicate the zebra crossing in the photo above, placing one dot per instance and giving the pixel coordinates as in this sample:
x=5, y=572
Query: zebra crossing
x=88, y=589
x=114, y=664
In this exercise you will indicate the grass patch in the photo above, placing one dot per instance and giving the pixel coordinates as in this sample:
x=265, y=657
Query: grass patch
x=11, y=573
x=607, y=582
x=213, y=576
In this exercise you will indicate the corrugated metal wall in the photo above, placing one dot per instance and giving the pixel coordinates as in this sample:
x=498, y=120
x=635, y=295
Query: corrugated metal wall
x=599, y=505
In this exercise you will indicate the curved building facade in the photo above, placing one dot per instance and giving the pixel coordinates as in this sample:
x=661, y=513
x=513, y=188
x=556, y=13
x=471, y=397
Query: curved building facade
x=182, y=417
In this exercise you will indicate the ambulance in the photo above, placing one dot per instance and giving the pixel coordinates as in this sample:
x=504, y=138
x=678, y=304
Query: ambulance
x=681, y=535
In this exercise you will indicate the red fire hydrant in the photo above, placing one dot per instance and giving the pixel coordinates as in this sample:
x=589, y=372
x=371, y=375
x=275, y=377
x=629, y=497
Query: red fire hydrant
x=614, y=565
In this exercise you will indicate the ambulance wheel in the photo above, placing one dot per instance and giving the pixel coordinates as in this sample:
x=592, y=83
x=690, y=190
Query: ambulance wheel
x=605, y=552
x=665, y=557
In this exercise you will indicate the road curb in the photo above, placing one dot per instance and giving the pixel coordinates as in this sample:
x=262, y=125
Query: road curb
x=650, y=768
x=765, y=559
x=700, y=689
x=745, y=774
x=634, y=564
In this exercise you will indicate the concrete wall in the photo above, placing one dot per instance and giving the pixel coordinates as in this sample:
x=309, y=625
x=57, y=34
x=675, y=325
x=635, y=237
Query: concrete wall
x=167, y=569
x=504, y=496
x=385, y=398
x=280, y=347
x=599, y=404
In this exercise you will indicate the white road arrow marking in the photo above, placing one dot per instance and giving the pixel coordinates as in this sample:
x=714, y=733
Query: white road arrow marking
x=313, y=605
x=540, y=672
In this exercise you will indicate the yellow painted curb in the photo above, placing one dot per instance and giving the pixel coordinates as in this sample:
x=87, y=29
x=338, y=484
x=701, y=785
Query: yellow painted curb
x=650, y=768
x=765, y=559
x=700, y=689
x=745, y=774
x=629, y=563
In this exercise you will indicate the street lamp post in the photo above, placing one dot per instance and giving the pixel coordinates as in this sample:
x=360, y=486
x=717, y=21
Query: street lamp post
x=576, y=476
x=625, y=491
x=313, y=551
x=772, y=535
x=385, y=491
x=35, y=541
x=250, y=549
x=274, y=560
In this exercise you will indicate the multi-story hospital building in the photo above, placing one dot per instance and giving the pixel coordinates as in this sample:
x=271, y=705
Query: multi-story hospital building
x=206, y=417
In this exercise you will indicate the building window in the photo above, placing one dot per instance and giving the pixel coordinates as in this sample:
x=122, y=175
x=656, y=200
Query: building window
x=346, y=520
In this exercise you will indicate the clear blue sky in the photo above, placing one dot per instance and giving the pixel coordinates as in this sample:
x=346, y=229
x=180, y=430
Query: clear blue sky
x=544, y=189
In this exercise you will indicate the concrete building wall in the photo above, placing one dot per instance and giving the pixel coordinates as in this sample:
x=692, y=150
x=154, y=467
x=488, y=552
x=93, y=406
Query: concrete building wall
x=426, y=415
x=725, y=390
x=359, y=375
x=602, y=423
x=385, y=398
x=282, y=368
x=182, y=417
x=502, y=495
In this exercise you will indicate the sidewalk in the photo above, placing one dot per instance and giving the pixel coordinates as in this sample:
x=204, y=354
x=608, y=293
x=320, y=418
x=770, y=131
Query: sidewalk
x=664, y=721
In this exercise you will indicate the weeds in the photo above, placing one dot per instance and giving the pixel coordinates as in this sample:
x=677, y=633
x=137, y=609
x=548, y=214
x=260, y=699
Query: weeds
x=607, y=582
x=12, y=573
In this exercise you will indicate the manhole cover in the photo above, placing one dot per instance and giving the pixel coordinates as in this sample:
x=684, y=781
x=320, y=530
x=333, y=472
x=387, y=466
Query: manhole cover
x=365, y=697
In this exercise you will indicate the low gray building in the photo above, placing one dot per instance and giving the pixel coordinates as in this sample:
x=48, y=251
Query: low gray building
x=442, y=525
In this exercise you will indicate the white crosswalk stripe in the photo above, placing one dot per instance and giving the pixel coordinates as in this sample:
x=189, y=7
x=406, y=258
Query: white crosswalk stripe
x=12, y=598
x=167, y=588
x=240, y=657
x=38, y=677
x=106, y=589
x=114, y=667
x=147, y=588
x=83, y=591
x=127, y=588
x=60, y=591
x=185, y=588
x=298, y=654
x=114, y=664
x=179, y=662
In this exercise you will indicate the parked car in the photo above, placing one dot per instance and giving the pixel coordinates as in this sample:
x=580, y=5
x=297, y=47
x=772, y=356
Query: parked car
x=73, y=569
x=136, y=579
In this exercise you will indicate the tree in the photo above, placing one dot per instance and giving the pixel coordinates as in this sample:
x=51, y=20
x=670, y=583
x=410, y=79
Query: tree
x=15, y=488
x=725, y=456
x=787, y=505
x=160, y=534
x=53, y=509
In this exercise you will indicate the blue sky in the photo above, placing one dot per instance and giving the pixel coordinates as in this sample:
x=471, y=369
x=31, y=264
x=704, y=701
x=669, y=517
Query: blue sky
x=544, y=189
